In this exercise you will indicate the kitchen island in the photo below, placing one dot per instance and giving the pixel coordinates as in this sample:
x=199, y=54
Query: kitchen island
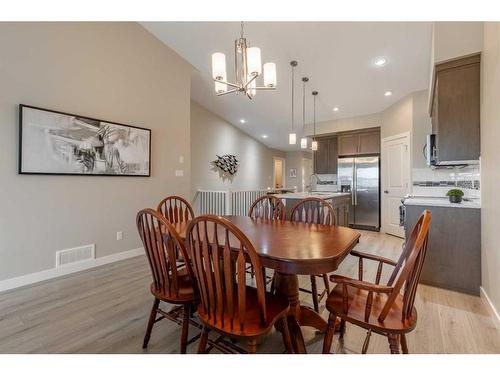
x=339, y=201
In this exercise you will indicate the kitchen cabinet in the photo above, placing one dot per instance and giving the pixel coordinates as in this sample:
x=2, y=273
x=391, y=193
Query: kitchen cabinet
x=359, y=143
x=325, y=158
x=348, y=144
x=453, y=259
x=455, y=110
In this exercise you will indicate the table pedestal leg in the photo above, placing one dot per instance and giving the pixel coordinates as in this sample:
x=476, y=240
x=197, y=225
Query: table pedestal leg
x=288, y=285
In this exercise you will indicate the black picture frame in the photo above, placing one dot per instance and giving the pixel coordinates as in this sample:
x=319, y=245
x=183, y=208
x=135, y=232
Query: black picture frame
x=20, y=156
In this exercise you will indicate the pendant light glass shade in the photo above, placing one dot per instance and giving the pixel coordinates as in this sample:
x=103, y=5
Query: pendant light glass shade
x=303, y=142
x=292, y=138
x=254, y=62
x=270, y=74
x=219, y=66
x=314, y=145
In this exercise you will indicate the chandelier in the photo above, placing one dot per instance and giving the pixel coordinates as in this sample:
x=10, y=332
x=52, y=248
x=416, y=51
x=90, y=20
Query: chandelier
x=248, y=67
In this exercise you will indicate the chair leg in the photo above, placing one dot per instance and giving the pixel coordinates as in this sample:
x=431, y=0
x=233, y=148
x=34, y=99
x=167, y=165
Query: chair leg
x=327, y=343
x=314, y=290
x=252, y=346
x=252, y=272
x=404, y=344
x=151, y=322
x=203, y=340
x=367, y=341
x=185, y=327
x=287, y=339
x=265, y=277
x=342, y=328
x=327, y=284
x=273, y=283
x=393, y=343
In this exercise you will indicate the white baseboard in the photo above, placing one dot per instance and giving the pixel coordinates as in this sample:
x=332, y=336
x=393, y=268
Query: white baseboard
x=53, y=273
x=490, y=304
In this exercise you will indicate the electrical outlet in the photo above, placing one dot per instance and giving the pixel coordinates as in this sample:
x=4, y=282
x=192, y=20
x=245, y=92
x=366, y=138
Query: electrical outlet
x=179, y=173
x=119, y=236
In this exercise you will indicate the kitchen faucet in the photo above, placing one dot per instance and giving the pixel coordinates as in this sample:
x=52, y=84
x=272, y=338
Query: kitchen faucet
x=309, y=187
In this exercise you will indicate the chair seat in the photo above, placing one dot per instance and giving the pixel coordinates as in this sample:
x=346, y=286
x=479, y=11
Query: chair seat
x=356, y=312
x=185, y=294
x=276, y=307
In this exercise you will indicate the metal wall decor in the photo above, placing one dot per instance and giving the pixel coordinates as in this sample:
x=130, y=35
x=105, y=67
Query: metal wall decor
x=227, y=164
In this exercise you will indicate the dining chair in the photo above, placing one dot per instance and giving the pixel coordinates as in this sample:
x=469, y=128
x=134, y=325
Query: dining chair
x=218, y=252
x=270, y=208
x=267, y=207
x=315, y=211
x=382, y=309
x=171, y=283
x=175, y=209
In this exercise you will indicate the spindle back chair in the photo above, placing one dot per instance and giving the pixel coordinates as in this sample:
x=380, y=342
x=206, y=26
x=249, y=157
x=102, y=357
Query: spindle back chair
x=384, y=309
x=176, y=209
x=268, y=207
x=315, y=211
x=171, y=283
x=218, y=252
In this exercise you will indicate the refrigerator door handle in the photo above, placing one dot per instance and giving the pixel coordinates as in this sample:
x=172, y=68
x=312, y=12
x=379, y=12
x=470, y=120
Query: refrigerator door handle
x=355, y=183
x=353, y=189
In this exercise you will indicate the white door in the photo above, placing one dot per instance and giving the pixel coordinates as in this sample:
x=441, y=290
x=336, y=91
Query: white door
x=396, y=164
x=279, y=172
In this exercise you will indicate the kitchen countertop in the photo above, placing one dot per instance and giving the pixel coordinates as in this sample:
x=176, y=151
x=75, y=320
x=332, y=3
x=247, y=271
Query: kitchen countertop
x=313, y=194
x=441, y=202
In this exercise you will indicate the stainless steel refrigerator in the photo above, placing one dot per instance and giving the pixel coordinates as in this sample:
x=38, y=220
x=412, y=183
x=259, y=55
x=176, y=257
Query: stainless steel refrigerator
x=360, y=176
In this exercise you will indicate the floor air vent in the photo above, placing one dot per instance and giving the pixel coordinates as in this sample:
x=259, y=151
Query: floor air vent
x=75, y=255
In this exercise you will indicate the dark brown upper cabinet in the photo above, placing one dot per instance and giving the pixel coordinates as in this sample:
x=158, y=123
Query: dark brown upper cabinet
x=325, y=158
x=359, y=143
x=455, y=109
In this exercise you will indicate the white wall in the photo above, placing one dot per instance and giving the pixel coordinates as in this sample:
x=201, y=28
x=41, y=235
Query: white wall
x=112, y=71
x=490, y=162
x=210, y=136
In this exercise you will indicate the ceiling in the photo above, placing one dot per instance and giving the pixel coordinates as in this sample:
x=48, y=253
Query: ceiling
x=338, y=58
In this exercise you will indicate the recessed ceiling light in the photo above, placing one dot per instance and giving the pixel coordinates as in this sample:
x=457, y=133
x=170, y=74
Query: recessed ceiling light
x=335, y=109
x=264, y=135
x=388, y=93
x=380, y=61
x=243, y=120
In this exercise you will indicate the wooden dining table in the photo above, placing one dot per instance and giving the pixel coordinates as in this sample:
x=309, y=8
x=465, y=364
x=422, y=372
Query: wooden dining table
x=292, y=249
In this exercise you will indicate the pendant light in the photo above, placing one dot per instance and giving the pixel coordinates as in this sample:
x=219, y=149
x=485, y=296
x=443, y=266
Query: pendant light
x=314, y=144
x=292, y=137
x=248, y=68
x=303, y=140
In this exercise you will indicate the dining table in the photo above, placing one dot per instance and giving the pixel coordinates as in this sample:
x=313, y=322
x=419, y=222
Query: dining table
x=292, y=249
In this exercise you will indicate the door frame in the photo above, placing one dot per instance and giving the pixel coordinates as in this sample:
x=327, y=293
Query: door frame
x=383, y=165
x=283, y=171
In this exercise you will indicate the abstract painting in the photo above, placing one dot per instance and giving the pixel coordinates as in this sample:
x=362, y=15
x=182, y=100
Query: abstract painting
x=53, y=142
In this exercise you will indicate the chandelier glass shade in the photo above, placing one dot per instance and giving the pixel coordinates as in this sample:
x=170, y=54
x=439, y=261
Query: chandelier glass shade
x=248, y=67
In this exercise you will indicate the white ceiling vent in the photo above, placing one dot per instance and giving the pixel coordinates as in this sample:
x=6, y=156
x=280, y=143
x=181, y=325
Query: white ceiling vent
x=75, y=255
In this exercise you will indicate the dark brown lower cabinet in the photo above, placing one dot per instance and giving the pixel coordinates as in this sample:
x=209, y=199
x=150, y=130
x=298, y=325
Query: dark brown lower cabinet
x=453, y=258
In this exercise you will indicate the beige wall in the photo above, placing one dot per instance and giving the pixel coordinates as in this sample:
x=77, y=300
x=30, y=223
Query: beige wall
x=294, y=159
x=455, y=39
x=490, y=161
x=398, y=118
x=210, y=136
x=113, y=71
x=420, y=128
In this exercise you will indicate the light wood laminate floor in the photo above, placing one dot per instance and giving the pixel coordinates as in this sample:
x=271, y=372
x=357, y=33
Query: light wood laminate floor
x=105, y=310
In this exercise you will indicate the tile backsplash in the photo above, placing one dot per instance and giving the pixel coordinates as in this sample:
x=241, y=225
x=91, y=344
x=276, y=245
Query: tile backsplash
x=437, y=182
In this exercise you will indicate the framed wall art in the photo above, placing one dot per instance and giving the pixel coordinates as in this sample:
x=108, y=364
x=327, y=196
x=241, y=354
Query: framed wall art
x=57, y=143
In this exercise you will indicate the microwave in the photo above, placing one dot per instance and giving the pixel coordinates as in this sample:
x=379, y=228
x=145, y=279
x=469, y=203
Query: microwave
x=430, y=150
x=431, y=155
